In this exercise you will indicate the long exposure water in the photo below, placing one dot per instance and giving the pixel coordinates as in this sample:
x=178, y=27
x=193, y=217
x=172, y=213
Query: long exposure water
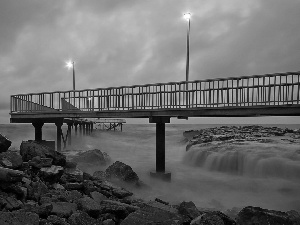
x=264, y=175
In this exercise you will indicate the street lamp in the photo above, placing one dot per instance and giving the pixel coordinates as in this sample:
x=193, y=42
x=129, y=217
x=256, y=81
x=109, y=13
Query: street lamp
x=70, y=65
x=187, y=16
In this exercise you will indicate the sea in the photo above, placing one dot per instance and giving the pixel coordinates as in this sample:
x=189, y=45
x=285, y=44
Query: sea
x=265, y=175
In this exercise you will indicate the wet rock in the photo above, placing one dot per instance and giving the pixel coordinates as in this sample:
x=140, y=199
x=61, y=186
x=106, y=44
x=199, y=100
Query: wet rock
x=256, y=215
x=189, y=210
x=109, y=222
x=39, y=162
x=9, y=175
x=98, y=197
x=11, y=160
x=82, y=218
x=43, y=210
x=5, y=143
x=73, y=175
x=31, y=149
x=73, y=186
x=38, y=189
x=121, y=171
x=119, y=192
x=88, y=187
x=55, y=220
x=122, y=210
x=19, y=218
x=13, y=204
x=153, y=213
x=90, y=206
x=51, y=174
x=63, y=209
x=99, y=175
x=95, y=156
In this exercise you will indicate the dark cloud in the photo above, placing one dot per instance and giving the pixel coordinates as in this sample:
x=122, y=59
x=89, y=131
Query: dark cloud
x=115, y=43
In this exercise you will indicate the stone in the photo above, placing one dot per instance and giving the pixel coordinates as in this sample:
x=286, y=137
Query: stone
x=73, y=186
x=82, y=218
x=55, y=220
x=88, y=187
x=98, y=197
x=13, y=204
x=99, y=175
x=9, y=175
x=43, y=210
x=115, y=190
x=5, y=143
x=256, y=215
x=31, y=149
x=73, y=175
x=11, y=159
x=154, y=213
x=51, y=174
x=19, y=218
x=122, y=210
x=109, y=222
x=38, y=189
x=39, y=162
x=90, y=206
x=63, y=209
x=189, y=209
x=121, y=171
x=95, y=156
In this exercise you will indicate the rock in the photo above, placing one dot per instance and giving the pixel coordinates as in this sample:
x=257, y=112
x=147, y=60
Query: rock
x=9, y=175
x=98, y=197
x=39, y=162
x=154, y=213
x=95, y=156
x=82, y=218
x=31, y=149
x=5, y=143
x=90, y=206
x=11, y=160
x=70, y=165
x=189, y=209
x=19, y=218
x=73, y=186
x=109, y=222
x=121, y=171
x=99, y=175
x=122, y=210
x=38, y=189
x=115, y=190
x=88, y=187
x=63, y=209
x=73, y=175
x=55, y=220
x=43, y=210
x=256, y=215
x=13, y=204
x=51, y=174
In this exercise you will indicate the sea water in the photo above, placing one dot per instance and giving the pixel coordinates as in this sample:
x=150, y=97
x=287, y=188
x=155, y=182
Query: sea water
x=265, y=175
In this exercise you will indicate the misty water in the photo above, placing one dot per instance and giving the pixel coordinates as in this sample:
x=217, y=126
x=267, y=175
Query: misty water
x=257, y=174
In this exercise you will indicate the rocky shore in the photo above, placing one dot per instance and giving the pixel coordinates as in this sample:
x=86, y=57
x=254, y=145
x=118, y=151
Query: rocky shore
x=240, y=134
x=39, y=186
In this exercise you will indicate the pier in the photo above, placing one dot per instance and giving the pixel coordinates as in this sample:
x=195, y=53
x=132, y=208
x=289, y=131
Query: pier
x=245, y=96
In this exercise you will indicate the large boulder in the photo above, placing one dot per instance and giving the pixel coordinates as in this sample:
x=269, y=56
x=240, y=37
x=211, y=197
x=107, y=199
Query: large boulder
x=9, y=175
x=121, y=171
x=11, y=159
x=31, y=149
x=82, y=218
x=5, y=143
x=95, y=156
x=256, y=215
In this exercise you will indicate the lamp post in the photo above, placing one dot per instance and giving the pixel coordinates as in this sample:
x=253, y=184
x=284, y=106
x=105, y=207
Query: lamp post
x=187, y=16
x=69, y=65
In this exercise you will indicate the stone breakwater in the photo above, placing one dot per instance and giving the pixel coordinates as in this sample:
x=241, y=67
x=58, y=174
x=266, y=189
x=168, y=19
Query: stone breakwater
x=239, y=134
x=39, y=186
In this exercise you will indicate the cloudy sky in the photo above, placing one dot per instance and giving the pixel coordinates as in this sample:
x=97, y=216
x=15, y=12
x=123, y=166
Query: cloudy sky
x=118, y=42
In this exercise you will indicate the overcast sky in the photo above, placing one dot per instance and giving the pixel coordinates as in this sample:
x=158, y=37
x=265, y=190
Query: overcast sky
x=118, y=42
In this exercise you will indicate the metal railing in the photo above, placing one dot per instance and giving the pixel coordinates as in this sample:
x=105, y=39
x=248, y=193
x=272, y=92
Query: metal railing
x=245, y=91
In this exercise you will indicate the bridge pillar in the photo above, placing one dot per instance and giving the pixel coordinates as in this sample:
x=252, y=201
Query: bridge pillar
x=58, y=135
x=92, y=127
x=80, y=129
x=38, y=130
x=75, y=125
x=69, y=133
x=160, y=171
x=83, y=129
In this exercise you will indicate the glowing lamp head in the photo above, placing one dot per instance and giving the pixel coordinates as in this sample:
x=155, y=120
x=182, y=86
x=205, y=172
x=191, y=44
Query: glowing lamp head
x=187, y=16
x=69, y=64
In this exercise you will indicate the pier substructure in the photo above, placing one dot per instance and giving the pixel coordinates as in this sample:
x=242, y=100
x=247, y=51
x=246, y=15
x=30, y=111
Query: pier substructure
x=38, y=130
x=75, y=125
x=58, y=135
x=160, y=171
x=69, y=134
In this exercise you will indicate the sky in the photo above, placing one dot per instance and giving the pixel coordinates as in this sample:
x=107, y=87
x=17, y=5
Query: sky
x=117, y=43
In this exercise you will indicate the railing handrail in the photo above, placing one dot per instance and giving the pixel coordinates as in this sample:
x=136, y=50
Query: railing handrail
x=168, y=83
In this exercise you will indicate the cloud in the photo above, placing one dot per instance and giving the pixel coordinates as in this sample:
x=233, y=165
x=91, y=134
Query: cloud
x=116, y=43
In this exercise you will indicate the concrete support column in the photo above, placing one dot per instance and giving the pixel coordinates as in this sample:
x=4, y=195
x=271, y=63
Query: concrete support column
x=75, y=125
x=160, y=171
x=69, y=133
x=83, y=129
x=92, y=127
x=80, y=129
x=38, y=130
x=87, y=131
x=58, y=135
